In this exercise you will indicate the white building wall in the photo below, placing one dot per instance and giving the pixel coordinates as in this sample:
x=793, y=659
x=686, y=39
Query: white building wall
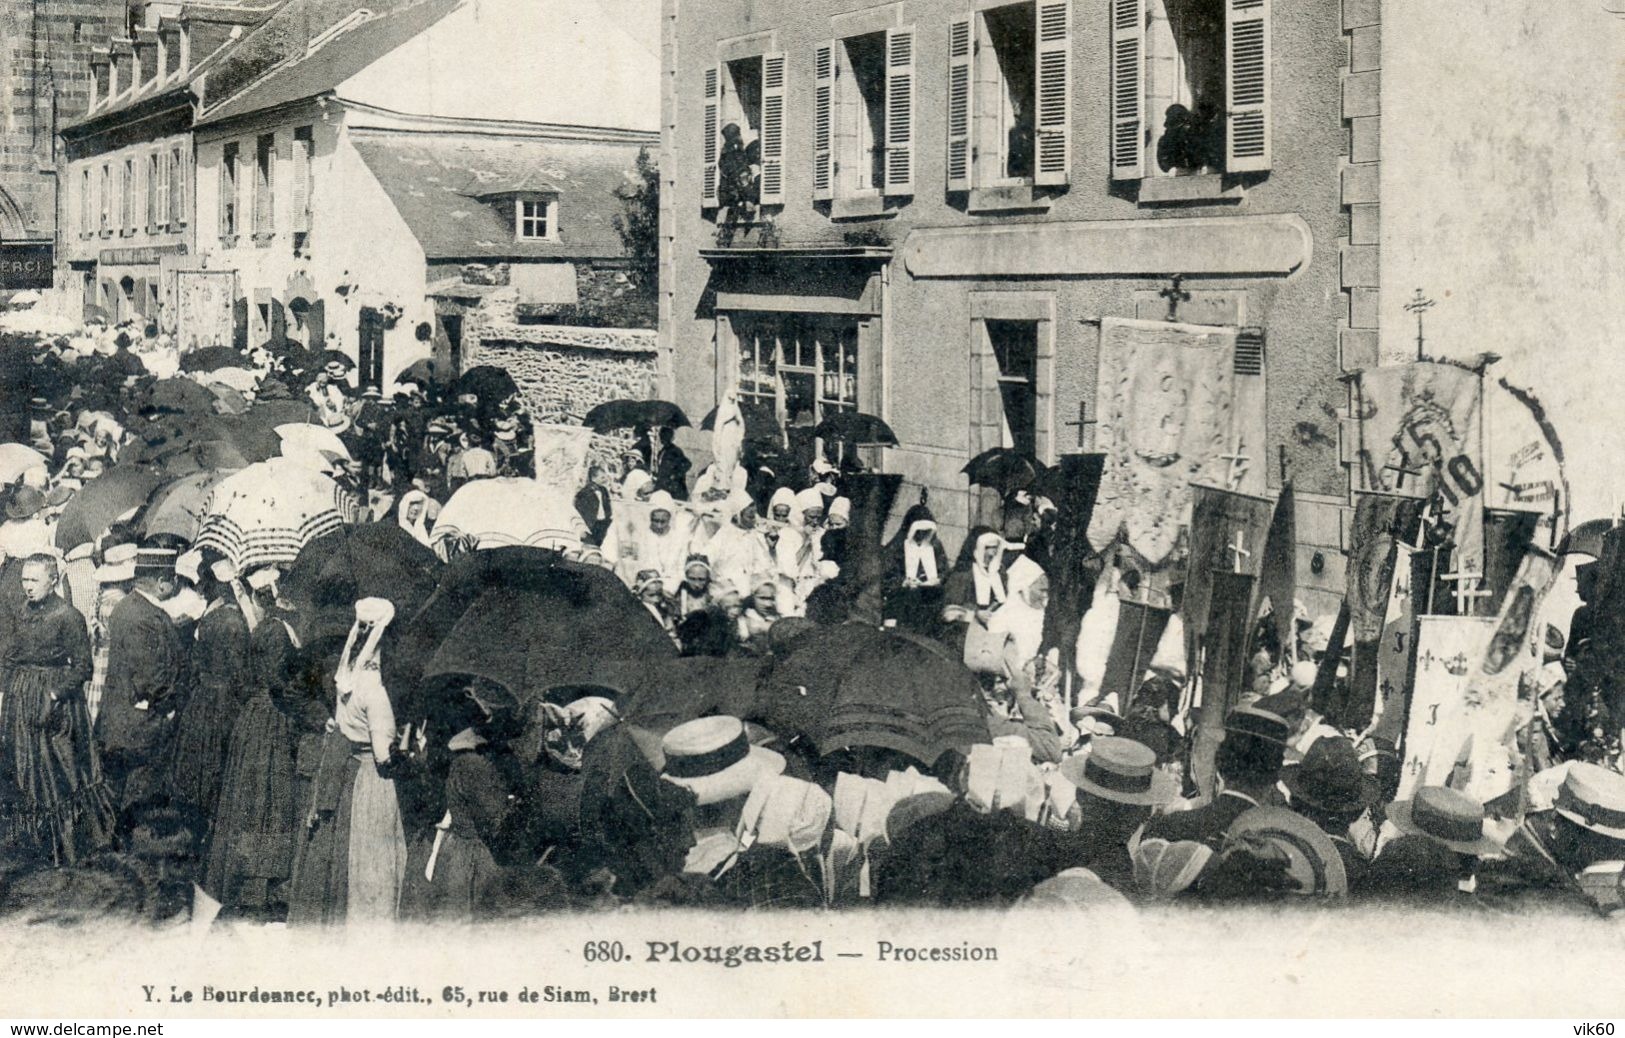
x=576, y=62
x=360, y=251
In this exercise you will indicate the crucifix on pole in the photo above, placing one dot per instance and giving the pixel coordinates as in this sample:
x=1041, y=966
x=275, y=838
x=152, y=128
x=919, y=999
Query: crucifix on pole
x=1419, y=305
x=1083, y=422
x=1467, y=591
x=1238, y=550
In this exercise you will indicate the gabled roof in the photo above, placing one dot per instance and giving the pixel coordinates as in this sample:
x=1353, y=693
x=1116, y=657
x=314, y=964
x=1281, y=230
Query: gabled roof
x=437, y=182
x=321, y=43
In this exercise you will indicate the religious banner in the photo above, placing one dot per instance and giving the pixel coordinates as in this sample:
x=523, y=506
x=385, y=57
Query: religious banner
x=203, y=309
x=1449, y=735
x=1507, y=538
x=1071, y=564
x=1421, y=434
x=1228, y=532
x=1224, y=667
x=1166, y=403
x=1278, y=574
x=1394, y=653
x=1371, y=562
x=561, y=454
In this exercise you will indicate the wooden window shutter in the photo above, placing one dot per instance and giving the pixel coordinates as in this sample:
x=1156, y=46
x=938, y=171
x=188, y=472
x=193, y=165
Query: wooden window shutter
x=772, y=129
x=302, y=146
x=711, y=132
x=823, y=120
x=961, y=56
x=179, y=187
x=1128, y=89
x=1247, y=67
x=900, y=111
x=1052, y=131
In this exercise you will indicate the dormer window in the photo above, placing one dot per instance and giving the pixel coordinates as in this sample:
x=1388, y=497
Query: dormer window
x=536, y=218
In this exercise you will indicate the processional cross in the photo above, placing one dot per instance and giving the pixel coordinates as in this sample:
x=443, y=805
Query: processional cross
x=1083, y=422
x=1238, y=550
x=1467, y=591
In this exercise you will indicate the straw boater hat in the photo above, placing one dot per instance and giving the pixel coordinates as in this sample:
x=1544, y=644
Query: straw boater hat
x=1122, y=771
x=1593, y=797
x=712, y=758
x=118, y=565
x=1447, y=817
x=155, y=562
x=1312, y=858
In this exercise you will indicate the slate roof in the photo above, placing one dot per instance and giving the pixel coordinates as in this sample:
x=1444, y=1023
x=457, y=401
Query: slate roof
x=446, y=186
x=346, y=52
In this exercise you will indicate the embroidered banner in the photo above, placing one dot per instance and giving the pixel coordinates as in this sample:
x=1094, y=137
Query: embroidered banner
x=561, y=455
x=1228, y=532
x=1452, y=737
x=1165, y=402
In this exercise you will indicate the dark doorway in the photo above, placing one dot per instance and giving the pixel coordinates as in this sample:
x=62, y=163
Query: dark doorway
x=451, y=326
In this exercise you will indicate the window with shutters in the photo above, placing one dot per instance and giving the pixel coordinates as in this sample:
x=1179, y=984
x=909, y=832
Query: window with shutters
x=1006, y=79
x=230, y=171
x=104, y=225
x=156, y=216
x=126, y=190
x=87, y=204
x=1009, y=110
x=860, y=114
x=304, y=156
x=265, y=186
x=176, y=188
x=739, y=148
x=1195, y=75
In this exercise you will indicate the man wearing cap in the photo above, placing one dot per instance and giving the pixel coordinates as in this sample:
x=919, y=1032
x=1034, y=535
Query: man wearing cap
x=144, y=671
x=1248, y=762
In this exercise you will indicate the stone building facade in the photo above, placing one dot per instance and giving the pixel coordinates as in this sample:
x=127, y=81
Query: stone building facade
x=45, y=83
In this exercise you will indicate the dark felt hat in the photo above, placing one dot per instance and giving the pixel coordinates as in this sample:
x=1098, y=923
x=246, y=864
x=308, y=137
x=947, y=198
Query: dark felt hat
x=1258, y=723
x=1329, y=777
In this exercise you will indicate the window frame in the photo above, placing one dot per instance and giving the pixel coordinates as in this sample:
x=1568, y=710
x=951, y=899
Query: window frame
x=231, y=215
x=264, y=187
x=549, y=217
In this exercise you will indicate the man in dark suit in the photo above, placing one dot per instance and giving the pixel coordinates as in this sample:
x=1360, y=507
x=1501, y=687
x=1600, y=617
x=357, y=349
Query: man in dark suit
x=1249, y=764
x=592, y=501
x=145, y=664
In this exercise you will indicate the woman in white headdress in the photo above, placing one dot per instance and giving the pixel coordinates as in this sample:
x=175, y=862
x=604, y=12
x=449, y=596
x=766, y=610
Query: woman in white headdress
x=353, y=858
x=1022, y=616
x=412, y=513
x=739, y=552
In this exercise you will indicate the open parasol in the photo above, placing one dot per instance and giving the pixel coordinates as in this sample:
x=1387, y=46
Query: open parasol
x=628, y=414
x=177, y=506
x=269, y=511
x=856, y=428
x=17, y=459
x=491, y=384
x=102, y=502
x=178, y=396
x=1586, y=539
x=511, y=511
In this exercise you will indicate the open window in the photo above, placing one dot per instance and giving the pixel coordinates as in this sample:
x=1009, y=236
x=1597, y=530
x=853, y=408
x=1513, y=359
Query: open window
x=743, y=126
x=863, y=115
x=1010, y=96
x=1015, y=351
x=229, y=157
x=1190, y=87
x=265, y=186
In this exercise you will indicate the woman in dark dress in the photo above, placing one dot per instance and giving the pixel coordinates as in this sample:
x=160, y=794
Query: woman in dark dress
x=220, y=688
x=457, y=871
x=60, y=803
x=916, y=566
x=251, y=856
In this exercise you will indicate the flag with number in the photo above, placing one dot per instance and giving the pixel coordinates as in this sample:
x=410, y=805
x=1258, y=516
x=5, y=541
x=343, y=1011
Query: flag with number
x=1420, y=434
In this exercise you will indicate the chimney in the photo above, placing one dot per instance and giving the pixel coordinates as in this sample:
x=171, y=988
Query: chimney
x=146, y=57
x=101, y=71
x=124, y=70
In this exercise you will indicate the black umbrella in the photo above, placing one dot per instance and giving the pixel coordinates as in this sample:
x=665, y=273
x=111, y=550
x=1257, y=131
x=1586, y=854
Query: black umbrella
x=180, y=396
x=488, y=382
x=338, y=357
x=854, y=686
x=1586, y=539
x=425, y=372
x=526, y=619
x=627, y=414
x=373, y=560
x=101, y=502
x=1004, y=469
x=856, y=428
x=213, y=358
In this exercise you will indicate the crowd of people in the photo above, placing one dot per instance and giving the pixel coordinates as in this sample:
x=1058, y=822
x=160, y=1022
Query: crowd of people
x=179, y=737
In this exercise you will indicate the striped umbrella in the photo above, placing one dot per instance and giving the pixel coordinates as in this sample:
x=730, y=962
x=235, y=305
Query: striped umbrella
x=267, y=512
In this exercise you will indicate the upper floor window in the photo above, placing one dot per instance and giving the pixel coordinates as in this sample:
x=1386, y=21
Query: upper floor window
x=106, y=216
x=863, y=115
x=304, y=154
x=126, y=192
x=743, y=128
x=1010, y=96
x=1190, y=87
x=265, y=185
x=537, y=219
x=175, y=189
x=87, y=202
x=228, y=191
x=156, y=198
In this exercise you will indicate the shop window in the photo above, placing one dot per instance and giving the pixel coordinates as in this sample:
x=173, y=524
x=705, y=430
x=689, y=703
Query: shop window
x=1015, y=350
x=228, y=191
x=794, y=371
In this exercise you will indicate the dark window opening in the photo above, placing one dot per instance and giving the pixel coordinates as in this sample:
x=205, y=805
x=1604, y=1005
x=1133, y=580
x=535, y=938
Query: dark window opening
x=866, y=101
x=1015, y=348
x=1012, y=43
x=739, y=162
x=1188, y=87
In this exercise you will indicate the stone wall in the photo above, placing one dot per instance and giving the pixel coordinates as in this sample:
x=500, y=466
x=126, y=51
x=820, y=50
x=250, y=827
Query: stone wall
x=563, y=371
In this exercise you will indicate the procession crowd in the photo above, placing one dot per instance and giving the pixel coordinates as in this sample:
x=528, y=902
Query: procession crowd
x=723, y=690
